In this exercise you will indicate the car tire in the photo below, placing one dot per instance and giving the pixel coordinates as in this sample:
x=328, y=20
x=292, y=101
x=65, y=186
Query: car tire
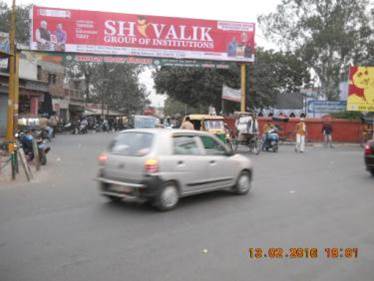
x=243, y=184
x=167, y=198
x=372, y=172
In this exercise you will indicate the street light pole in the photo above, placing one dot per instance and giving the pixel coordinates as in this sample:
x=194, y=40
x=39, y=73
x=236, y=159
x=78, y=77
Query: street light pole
x=12, y=95
x=11, y=84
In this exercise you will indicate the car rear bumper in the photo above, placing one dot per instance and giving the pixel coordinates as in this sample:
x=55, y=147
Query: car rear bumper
x=149, y=188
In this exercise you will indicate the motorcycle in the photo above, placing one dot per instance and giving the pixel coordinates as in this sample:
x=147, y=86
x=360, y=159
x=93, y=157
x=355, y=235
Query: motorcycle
x=83, y=128
x=271, y=141
x=43, y=145
x=70, y=127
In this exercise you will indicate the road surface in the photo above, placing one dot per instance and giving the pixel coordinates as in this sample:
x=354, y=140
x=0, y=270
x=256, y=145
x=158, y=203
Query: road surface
x=59, y=228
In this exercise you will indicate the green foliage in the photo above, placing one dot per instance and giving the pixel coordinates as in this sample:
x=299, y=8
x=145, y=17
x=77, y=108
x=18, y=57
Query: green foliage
x=115, y=85
x=274, y=74
x=173, y=107
x=351, y=115
x=22, y=22
x=326, y=35
x=195, y=86
x=271, y=74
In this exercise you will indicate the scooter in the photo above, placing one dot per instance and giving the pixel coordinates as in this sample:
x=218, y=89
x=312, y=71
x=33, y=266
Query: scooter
x=271, y=140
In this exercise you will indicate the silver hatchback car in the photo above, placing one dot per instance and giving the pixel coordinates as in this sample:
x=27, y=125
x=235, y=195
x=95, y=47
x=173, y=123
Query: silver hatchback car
x=162, y=165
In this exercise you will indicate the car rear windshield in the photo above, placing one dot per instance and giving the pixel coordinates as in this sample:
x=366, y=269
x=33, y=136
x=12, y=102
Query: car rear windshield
x=132, y=144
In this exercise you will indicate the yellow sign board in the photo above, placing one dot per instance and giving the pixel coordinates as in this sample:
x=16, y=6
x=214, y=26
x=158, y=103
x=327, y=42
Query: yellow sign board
x=361, y=89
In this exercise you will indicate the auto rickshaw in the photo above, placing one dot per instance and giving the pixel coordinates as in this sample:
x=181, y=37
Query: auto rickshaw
x=213, y=124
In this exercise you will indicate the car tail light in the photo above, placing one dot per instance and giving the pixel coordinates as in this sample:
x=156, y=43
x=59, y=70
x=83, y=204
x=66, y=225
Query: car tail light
x=103, y=159
x=368, y=150
x=151, y=166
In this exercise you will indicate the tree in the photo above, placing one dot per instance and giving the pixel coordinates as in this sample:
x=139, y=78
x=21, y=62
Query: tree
x=22, y=22
x=327, y=35
x=275, y=73
x=118, y=87
x=272, y=73
x=173, y=107
x=195, y=86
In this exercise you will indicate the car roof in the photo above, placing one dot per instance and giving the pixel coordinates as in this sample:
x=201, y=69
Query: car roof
x=165, y=131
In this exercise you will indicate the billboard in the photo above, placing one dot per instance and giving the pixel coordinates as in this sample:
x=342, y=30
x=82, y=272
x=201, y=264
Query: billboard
x=322, y=106
x=4, y=50
x=231, y=94
x=78, y=31
x=361, y=89
x=66, y=58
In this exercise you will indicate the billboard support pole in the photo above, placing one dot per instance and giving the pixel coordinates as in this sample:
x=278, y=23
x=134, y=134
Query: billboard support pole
x=11, y=85
x=243, y=86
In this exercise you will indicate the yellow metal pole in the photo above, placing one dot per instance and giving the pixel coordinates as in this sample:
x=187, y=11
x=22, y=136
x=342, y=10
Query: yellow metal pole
x=11, y=85
x=16, y=94
x=243, y=86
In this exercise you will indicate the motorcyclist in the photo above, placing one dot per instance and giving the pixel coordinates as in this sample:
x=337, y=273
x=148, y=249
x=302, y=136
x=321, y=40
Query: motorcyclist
x=269, y=126
x=83, y=125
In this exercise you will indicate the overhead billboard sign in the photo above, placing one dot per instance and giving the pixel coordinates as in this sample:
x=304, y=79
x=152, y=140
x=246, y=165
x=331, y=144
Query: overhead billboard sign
x=321, y=106
x=66, y=58
x=361, y=89
x=78, y=31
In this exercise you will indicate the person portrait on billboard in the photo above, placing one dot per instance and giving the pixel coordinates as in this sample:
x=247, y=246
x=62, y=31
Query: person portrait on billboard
x=61, y=37
x=232, y=48
x=43, y=36
x=363, y=85
x=244, y=38
x=142, y=26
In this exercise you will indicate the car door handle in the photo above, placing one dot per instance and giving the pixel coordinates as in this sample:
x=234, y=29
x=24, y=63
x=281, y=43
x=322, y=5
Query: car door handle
x=180, y=163
x=212, y=162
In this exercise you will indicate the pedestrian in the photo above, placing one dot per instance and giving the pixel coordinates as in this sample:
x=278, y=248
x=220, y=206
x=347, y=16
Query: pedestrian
x=300, y=136
x=53, y=122
x=187, y=124
x=327, y=134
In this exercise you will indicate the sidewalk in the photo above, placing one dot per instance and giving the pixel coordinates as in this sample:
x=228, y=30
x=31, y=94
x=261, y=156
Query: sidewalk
x=6, y=174
x=320, y=144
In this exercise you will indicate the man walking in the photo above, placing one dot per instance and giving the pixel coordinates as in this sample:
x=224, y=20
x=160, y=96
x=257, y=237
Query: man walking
x=327, y=134
x=300, y=136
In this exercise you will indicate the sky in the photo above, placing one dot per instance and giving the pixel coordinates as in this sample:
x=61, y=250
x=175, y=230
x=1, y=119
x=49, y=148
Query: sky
x=232, y=10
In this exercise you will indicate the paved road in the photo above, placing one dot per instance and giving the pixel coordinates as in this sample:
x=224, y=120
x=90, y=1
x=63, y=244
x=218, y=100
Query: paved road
x=59, y=228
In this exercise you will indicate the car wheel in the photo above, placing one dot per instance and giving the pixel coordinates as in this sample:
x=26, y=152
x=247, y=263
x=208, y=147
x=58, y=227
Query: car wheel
x=372, y=172
x=168, y=197
x=243, y=184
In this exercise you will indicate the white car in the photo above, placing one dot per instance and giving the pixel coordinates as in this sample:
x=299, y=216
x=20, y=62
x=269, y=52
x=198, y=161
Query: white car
x=161, y=166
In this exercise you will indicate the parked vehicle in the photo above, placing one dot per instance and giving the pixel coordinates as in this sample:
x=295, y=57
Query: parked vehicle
x=161, y=166
x=247, y=132
x=43, y=145
x=369, y=156
x=271, y=141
